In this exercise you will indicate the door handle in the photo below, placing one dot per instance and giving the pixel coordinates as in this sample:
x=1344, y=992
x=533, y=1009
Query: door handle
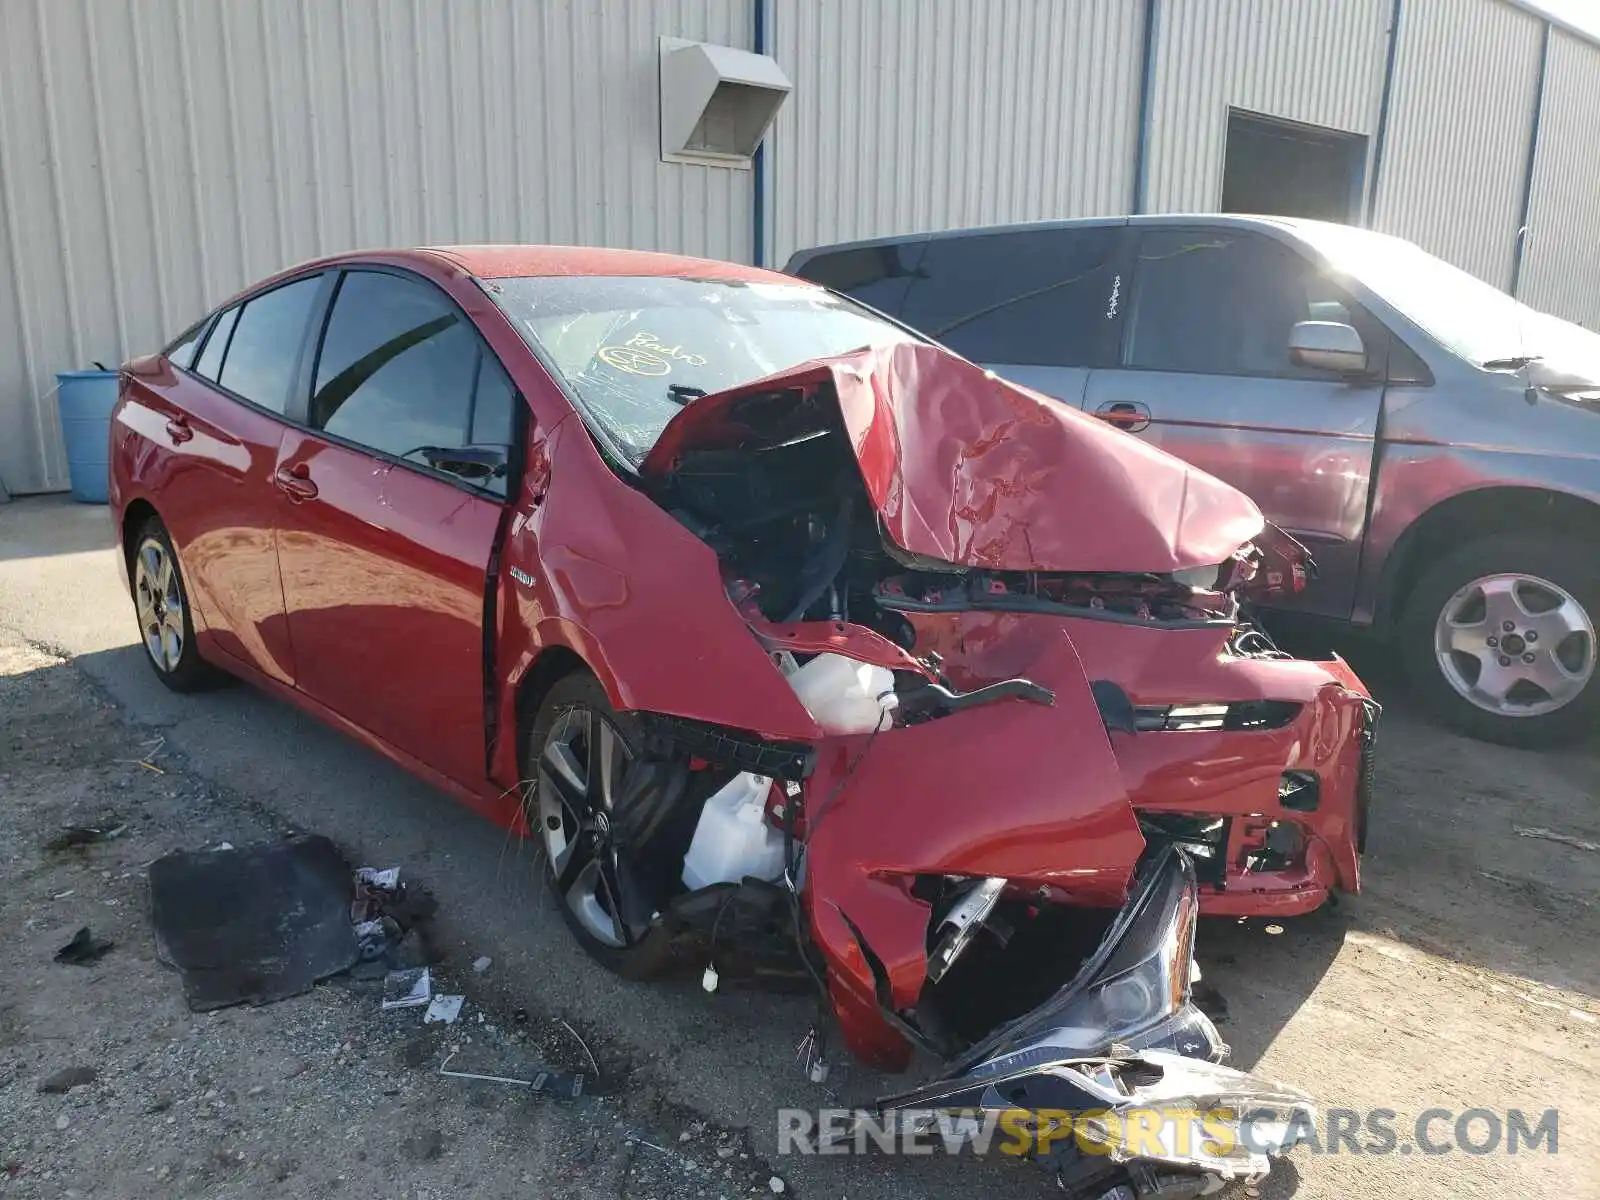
x=178, y=428
x=1128, y=415
x=295, y=482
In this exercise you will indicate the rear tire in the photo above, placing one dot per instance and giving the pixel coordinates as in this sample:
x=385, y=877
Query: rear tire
x=161, y=607
x=1524, y=612
x=570, y=815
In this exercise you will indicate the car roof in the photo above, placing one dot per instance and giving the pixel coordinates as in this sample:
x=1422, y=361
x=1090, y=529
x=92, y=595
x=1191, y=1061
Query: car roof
x=509, y=261
x=1143, y=220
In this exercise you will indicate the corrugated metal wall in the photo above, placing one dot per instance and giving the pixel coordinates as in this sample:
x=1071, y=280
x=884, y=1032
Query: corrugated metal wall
x=1315, y=61
x=1561, y=265
x=910, y=115
x=1462, y=111
x=157, y=155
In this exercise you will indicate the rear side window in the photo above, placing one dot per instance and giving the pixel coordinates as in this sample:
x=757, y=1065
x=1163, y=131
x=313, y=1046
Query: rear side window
x=875, y=275
x=1038, y=297
x=1215, y=302
x=210, y=361
x=265, y=347
x=403, y=372
x=181, y=351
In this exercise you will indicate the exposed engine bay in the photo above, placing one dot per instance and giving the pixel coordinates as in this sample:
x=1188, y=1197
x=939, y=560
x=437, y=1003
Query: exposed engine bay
x=791, y=521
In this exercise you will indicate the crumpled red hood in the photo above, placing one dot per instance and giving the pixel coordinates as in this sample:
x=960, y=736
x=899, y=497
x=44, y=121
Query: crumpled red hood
x=969, y=469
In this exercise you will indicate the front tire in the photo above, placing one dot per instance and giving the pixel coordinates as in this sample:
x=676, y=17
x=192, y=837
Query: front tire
x=161, y=605
x=1498, y=638
x=577, y=752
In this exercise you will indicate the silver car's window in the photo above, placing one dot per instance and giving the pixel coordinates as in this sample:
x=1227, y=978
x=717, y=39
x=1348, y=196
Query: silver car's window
x=633, y=350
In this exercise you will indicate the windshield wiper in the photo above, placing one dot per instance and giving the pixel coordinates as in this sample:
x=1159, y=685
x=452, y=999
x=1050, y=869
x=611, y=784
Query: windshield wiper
x=1514, y=363
x=682, y=393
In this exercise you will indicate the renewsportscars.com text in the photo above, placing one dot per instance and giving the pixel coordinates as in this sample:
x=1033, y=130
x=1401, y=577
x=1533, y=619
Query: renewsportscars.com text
x=1021, y=1132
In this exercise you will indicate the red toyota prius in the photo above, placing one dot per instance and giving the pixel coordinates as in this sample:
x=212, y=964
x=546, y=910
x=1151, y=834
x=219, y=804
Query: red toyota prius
x=763, y=596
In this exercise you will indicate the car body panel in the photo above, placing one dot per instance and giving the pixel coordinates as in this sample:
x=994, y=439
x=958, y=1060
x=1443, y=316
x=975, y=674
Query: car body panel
x=217, y=501
x=966, y=468
x=384, y=572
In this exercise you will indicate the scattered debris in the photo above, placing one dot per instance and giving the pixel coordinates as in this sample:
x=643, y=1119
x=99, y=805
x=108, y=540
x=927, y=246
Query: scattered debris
x=387, y=880
x=593, y=1063
x=76, y=837
x=1274, y=929
x=65, y=1080
x=65, y=894
x=481, y=965
x=443, y=1009
x=83, y=949
x=255, y=925
x=411, y=988
x=562, y=1085
x=1566, y=839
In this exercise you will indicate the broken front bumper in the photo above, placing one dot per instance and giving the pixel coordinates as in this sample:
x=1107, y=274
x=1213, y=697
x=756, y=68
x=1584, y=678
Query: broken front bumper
x=1116, y=1078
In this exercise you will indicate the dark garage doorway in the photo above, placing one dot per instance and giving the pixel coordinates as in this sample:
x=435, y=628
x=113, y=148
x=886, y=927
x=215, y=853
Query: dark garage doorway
x=1285, y=169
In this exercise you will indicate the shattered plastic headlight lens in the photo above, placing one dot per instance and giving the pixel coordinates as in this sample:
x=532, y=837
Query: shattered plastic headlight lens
x=1146, y=976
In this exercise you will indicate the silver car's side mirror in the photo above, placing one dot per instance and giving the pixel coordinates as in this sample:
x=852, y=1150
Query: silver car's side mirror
x=1327, y=346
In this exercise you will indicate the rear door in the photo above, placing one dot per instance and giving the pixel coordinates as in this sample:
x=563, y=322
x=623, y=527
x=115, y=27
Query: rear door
x=1037, y=306
x=1205, y=374
x=392, y=512
x=219, y=417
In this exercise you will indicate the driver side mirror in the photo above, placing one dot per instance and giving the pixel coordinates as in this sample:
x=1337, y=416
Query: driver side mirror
x=1327, y=346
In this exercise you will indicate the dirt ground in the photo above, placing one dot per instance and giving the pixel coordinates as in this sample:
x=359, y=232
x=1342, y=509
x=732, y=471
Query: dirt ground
x=109, y=1086
x=1465, y=976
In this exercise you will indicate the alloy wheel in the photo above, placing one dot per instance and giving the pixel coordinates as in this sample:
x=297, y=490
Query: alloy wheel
x=581, y=768
x=1515, y=645
x=159, y=602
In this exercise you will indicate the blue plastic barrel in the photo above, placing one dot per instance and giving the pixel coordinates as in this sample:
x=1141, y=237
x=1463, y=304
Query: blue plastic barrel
x=86, y=399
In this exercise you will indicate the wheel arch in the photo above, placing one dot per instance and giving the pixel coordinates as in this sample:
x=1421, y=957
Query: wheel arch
x=135, y=514
x=1468, y=516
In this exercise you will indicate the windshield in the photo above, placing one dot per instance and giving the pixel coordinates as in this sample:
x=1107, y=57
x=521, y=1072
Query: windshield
x=1475, y=320
x=633, y=350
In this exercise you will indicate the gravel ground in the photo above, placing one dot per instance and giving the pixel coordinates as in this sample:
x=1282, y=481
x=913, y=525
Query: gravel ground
x=1465, y=976
x=109, y=1085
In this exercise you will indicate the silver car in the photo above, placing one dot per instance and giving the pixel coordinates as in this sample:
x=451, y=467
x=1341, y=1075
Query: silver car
x=1433, y=441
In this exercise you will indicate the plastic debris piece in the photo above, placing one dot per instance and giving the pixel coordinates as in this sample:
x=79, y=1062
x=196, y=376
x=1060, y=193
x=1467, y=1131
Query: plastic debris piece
x=83, y=949
x=407, y=989
x=709, y=980
x=443, y=1009
x=777, y=1185
x=482, y=964
x=388, y=878
x=224, y=846
x=76, y=837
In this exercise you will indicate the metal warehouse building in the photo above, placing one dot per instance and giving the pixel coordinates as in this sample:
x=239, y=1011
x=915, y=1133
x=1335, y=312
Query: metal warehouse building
x=157, y=155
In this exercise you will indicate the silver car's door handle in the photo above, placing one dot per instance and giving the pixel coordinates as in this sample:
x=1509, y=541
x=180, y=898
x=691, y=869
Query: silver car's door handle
x=1129, y=415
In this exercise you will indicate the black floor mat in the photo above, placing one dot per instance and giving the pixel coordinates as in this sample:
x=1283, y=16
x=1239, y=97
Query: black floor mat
x=256, y=924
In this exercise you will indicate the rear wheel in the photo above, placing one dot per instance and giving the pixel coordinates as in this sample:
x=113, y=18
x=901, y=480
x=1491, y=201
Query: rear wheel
x=578, y=754
x=1499, y=638
x=161, y=604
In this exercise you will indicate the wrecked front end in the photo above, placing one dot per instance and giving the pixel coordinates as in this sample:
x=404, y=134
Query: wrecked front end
x=1045, y=739
x=1116, y=1078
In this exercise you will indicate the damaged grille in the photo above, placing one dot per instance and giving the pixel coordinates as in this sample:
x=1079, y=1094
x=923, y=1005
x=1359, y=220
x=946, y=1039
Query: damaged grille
x=1245, y=715
x=736, y=749
x=1205, y=839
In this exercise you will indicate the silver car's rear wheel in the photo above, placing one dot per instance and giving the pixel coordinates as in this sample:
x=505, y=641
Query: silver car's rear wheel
x=1515, y=645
